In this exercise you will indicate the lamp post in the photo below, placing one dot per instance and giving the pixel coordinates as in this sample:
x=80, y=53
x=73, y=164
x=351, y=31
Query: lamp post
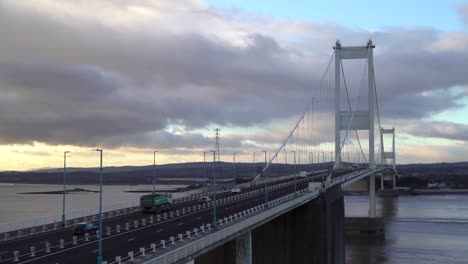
x=100, y=208
x=214, y=186
x=266, y=181
x=154, y=172
x=64, y=186
x=311, y=161
x=204, y=172
x=234, y=167
x=295, y=172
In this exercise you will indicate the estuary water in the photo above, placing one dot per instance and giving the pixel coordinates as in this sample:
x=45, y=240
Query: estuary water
x=419, y=229
x=16, y=206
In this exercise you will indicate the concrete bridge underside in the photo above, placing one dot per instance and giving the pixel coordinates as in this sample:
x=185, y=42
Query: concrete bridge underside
x=312, y=233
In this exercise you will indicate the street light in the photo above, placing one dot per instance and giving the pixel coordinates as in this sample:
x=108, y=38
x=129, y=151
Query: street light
x=154, y=172
x=204, y=172
x=100, y=208
x=295, y=173
x=311, y=161
x=214, y=185
x=266, y=180
x=234, y=167
x=64, y=185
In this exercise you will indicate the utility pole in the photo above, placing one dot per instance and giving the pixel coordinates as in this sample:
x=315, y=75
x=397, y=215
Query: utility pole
x=217, y=131
x=218, y=160
x=215, y=187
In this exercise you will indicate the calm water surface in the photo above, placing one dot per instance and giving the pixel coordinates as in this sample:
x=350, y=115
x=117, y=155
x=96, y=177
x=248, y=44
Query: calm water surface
x=419, y=229
x=15, y=206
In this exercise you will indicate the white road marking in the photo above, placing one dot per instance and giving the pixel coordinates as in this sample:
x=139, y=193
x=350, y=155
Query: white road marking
x=3, y=252
x=94, y=251
x=181, y=223
x=131, y=239
x=159, y=230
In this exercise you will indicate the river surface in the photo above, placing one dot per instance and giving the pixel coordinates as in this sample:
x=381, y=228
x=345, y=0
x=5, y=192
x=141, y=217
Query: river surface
x=419, y=229
x=17, y=207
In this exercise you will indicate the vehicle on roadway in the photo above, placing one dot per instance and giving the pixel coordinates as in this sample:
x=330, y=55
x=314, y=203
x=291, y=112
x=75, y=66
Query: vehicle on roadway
x=204, y=199
x=235, y=190
x=302, y=174
x=156, y=203
x=84, y=227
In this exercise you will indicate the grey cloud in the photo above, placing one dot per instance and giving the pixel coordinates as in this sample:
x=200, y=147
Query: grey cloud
x=438, y=129
x=414, y=106
x=76, y=81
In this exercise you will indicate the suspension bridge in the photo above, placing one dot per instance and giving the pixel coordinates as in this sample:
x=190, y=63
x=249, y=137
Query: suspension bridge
x=291, y=212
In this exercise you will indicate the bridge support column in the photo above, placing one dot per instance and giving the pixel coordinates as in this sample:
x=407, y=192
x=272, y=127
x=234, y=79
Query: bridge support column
x=372, y=196
x=244, y=249
x=382, y=187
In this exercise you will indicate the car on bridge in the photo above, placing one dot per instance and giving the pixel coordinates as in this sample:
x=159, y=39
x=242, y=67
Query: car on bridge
x=235, y=190
x=85, y=227
x=204, y=199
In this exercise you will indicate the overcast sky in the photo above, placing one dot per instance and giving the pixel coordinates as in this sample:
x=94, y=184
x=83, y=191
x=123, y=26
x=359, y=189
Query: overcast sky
x=131, y=75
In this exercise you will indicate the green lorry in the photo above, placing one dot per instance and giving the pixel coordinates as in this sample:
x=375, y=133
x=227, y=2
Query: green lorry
x=155, y=203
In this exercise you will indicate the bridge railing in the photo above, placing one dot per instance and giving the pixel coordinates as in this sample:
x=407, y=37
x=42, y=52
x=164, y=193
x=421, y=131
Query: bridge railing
x=18, y=229
x=229, y=229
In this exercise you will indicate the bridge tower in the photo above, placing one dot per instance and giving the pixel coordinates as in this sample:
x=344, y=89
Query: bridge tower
x=354, y=120
x=388, y=154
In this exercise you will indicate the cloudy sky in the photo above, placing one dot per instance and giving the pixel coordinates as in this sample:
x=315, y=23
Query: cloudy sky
x=133, y=75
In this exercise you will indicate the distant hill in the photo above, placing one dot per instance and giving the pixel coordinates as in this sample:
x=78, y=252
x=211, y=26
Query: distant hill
x=141, y=174
x=442, y=172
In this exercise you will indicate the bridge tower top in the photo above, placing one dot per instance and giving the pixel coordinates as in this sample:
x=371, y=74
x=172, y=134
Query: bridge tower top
x=388, y=154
